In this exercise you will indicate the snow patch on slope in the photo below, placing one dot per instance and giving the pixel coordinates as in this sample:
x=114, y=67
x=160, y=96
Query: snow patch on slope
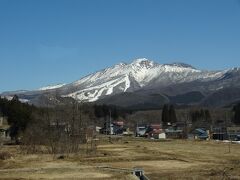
x=127, y=83
x=51, y=87
x=92, y=94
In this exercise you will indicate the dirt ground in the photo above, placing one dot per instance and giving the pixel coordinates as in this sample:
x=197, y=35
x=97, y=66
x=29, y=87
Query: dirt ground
x=172, y=159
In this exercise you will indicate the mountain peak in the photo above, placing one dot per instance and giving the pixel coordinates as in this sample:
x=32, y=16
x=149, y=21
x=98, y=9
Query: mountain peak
x=143, y=62
x=139, y=60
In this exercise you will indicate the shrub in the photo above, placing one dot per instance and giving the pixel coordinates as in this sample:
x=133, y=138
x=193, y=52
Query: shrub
x=5, y=155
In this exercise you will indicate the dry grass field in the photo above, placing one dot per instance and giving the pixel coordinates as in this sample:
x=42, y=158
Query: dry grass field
x=173, y=159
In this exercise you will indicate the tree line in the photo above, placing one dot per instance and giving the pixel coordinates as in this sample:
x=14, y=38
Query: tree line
x=63, y=127
x=60, y=127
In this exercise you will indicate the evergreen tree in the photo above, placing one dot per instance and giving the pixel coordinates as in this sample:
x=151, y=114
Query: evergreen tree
x=236, y=110
x=165, y=114
x=19, y=114
x=172, y=114
x=114, y=112
x=208, y=116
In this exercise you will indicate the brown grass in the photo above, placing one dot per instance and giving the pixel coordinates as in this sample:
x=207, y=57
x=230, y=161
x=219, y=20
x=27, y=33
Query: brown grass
x=176, y=159
x=4, y=155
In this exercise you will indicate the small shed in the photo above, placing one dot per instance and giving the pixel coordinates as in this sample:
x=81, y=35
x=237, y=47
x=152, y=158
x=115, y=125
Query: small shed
x=141, y=130
x=200, y=133
x=153, y=130
x=160, y=136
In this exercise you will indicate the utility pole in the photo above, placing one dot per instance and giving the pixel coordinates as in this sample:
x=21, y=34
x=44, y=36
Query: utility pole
x=136, y=134
x=110, y=126
x=110, y=122
x=229, y=138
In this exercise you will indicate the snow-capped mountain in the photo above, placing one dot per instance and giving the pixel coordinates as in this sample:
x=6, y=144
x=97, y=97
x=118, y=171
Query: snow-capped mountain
x=141, y=73
x=145, y=76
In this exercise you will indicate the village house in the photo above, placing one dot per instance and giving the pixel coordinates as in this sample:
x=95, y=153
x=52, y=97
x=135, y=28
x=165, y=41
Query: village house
x=175, y=130
x=141, y=130
x=219, y=133
x=200, y=133
x=155, y=131
x=173, y=133
x=234, y=133
x=116, y=128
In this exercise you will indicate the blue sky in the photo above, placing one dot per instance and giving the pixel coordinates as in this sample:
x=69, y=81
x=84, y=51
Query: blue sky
x=52, y=41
